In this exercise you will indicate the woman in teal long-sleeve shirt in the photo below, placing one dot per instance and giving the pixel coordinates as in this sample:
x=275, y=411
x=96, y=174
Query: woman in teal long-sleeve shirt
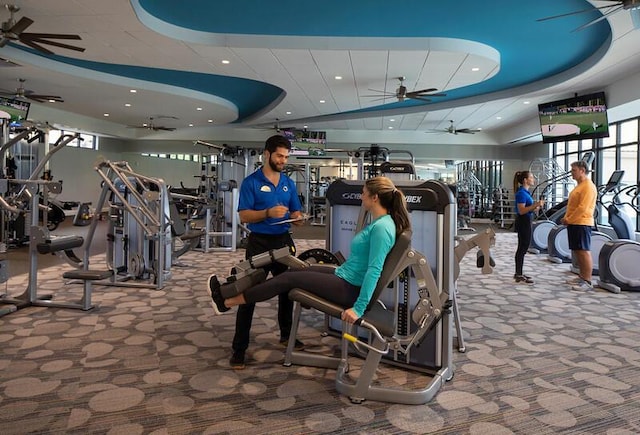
x=352, y=284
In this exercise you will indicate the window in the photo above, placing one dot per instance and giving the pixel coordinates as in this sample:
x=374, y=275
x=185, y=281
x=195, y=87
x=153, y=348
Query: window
x=619, y=151
x=629, y=131
x=85, y=140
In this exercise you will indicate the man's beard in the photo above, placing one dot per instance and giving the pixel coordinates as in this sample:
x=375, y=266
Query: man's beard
x=273, y=166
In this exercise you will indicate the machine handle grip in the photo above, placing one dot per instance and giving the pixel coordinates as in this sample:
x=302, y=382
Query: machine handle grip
x=357, y=342
x=350, y=337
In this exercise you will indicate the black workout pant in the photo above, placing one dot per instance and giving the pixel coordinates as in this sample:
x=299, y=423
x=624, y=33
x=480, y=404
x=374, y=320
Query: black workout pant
x=259, y=243
x=523, y=227
x=319, y=280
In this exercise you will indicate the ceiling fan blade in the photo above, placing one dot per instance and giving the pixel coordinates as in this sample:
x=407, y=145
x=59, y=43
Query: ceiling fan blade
x=575, y=12
x=54, y=43
x=164, y=128
x=388, y=97
x=422, y=91
x=380, y=95
x=597, y=20
x=466, y=131
x=377, y=90
x=51, y=36
x=35, y=98
x=44, y=97
x=21, y=25
x=36, y=47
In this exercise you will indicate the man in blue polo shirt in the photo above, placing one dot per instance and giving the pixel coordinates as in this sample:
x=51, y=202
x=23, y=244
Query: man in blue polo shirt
x=267, y=197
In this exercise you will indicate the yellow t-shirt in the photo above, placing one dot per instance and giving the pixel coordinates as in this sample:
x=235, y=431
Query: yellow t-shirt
x=581, y=204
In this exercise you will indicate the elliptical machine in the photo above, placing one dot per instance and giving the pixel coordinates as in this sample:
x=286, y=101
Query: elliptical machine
x=619, y=259
x=558, y=242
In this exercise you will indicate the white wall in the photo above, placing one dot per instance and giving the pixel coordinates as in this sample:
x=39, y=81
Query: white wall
x=75, y=167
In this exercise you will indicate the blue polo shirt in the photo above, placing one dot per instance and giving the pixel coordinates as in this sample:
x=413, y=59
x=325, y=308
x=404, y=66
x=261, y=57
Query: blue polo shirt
x=523, y=197
x=258, y=193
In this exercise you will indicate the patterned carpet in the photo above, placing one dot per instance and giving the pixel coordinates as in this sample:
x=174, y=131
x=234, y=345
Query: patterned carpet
x=540, y=359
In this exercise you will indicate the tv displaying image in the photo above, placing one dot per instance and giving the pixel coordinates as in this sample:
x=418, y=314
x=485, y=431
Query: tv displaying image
x=14, y=110
x=583, y=117
x=306, y=138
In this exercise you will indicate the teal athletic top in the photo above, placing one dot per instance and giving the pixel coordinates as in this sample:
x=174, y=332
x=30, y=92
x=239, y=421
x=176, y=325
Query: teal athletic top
x=369, y=249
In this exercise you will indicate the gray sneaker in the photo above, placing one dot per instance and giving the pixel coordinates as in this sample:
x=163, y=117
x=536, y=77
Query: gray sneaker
x=574, y=280
x=582, y=285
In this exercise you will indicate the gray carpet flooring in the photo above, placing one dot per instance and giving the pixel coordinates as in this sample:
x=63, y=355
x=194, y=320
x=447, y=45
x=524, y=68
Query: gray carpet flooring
x=540, y=359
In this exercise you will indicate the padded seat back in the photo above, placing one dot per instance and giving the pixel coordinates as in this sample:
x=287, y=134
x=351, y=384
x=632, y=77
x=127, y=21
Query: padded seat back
x=391, y=265
x=177, y=225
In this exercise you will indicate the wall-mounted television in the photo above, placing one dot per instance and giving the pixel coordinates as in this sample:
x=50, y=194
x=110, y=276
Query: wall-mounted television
x=306, y=138
x=583, y=117
x=14, y=110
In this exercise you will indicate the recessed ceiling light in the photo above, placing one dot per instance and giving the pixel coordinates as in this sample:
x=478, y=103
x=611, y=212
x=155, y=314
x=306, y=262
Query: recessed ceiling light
x=392, y=120
x=209, y=120
x=226, y=62
x=498, y=117
x=322, y=101
x=338, y=77
x=305, y=126
x=288, y=113
x=106, y=114
x=526, y=102
x=127, y=105
x=198, y=108
x=475, y=68
x=390, y=128
x=190, y=125
x=133, y=91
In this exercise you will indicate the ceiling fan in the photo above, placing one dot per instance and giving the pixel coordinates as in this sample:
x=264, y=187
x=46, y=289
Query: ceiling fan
x=22, y=93
x=615, y=6
x=12, y=31
x=275, y=126
x=154, y=127
x=453, y=130
x=401, y=93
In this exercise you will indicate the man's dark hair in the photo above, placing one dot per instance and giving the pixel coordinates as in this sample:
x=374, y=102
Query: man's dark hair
x=277, y=141
x=582, y=165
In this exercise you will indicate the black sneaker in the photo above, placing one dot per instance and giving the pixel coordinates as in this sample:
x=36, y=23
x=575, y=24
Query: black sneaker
x=297, y=346
x=236, y=361
x=217, y=301
x=523, y=278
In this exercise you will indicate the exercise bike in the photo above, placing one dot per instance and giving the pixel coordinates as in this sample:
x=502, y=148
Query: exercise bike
x=619, y=259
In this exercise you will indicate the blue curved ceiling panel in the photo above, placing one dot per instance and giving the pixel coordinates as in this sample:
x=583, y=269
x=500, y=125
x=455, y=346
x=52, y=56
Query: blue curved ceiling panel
x=505, y=26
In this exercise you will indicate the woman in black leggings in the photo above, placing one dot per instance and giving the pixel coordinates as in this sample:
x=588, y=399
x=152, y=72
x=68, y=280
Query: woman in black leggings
x=352, y=284
x=522, y=181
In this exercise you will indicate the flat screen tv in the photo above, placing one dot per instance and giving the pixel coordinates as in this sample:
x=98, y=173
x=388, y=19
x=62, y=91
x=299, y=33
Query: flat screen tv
x=306, y=138
x=583, y=117
x=14, y=110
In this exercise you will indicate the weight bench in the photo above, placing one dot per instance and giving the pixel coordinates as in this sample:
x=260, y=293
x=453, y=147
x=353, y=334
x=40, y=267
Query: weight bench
x=87, y=277
x=380, y=324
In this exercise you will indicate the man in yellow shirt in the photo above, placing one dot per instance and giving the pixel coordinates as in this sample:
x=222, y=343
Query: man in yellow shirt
x=579, y=219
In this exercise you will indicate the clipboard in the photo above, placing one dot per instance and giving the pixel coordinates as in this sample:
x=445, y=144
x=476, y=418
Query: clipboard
x=288, y=221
